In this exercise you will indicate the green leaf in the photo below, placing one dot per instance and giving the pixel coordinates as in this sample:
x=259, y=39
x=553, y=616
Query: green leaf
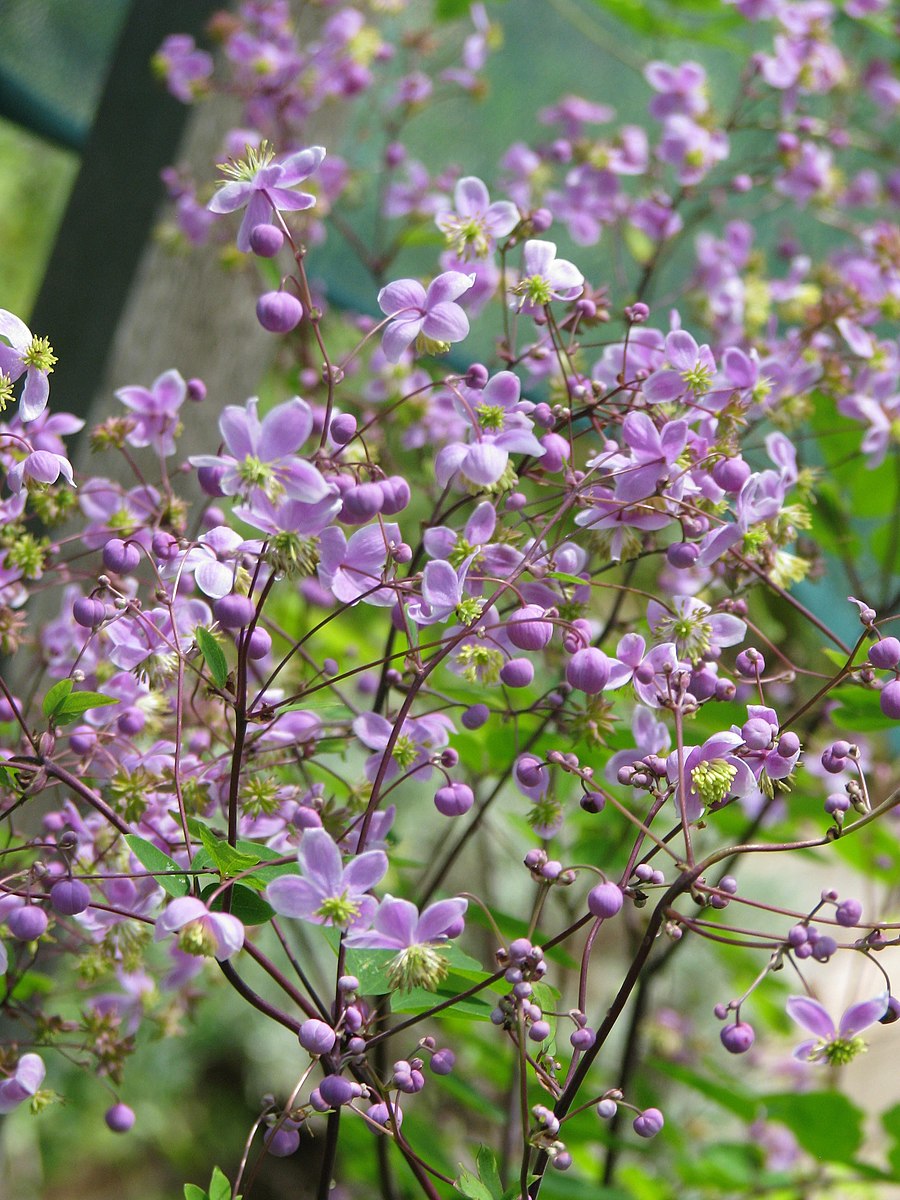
x=213, y=656
x=9, y=777
x=860, y=711
x=729, y=1096
x=192, y=1192
x=56, y=695
x=470, y=1185
x=156, y=861
x=890, y=1119
x=826, y=1124
x=564, y=577
x=227, y=860
x=79, y=702
x=487, y=1170
x=219, y=1187
x=419, y=1000
x=246, y=905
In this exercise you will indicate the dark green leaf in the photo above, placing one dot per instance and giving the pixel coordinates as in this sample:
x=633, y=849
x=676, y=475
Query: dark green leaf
x=56, y=695
x=213, y=656
x=419, y=1000
x=826, y=1124
x=156, y=861
x=246, y=904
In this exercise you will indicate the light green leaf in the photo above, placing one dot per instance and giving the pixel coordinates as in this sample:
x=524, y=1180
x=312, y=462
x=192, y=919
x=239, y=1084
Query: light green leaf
x=192, y=1192
x=56, y=695
x=471, y=1186
x=213, y=656
x=487, y=1170
x=219, y=1187
x=79, y=702
x=156, y=861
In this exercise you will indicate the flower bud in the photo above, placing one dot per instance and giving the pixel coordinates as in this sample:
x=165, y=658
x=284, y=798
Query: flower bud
x=526, y=629
x=343, y=428
x=279, y=312
x=396, y=494
x=649, y=1123
x=119, y=1118
x=475, y=716
x=282, y=1140
x=317, y=1037
x=731, y=474
x=88, y=612
x=454, y=799
x=517, y=672
x=885, y=654
x=266, y=240
x=738, y=1038
x=121, y=557
x=588, y=671
x=234, y=612
x=890, y=700
x=443, y=1062
x=27, y=923
x=605, y=900
x=70, y=897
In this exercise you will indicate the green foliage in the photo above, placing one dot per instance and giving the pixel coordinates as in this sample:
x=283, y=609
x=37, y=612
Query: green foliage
x=62, y=704
x=159, y=863
x=826, y=1124
x=213, y=656
x=219, y=1189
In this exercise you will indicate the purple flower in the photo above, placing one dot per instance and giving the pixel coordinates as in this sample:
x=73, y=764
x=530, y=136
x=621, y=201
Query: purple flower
x=546, y=277
x=419, y=741
x=42, y=466
x=351, y=568
x=262, y=186
x=156, y=411
x=185, y=69
x=262, y=454
x=830, y=1046
x=693, y=626
x=328, y=893
x=397, y=925
x=691, y=148
x=689, y=368
x=443, y=590
x=25, y=355
x=681, y=90
x=713, y=773
x=444, y=542
x=431, y=319
x=759, y=500
x=499, y=425
x=210, y=559
x=200, y=932
x=23, y=1083
x=646, y=671
x=474, y=226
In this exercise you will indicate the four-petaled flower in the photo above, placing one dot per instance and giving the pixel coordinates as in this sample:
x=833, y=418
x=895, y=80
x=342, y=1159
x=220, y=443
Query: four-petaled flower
x=200, y=932
x=326, y=892
x=397, y=925
x=546, y=277
x=830, y=1045
x=25, y=355
x=262, y=186
x=155, y=411
x=429, y=318
x=476, y=224
x=23, y=1083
